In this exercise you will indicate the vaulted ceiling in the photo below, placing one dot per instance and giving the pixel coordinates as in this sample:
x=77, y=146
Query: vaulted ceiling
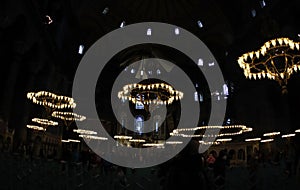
x=36, y=55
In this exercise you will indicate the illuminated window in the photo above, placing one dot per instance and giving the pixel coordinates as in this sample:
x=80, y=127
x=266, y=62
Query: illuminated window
x=139, y=124
x=149, y=32
x=156, y=126
x=139, y=105
x=80, y=49
x=225, y=90
x=201, y=97
x=200, y=62
x=176, y=31
x=200, y=25
x=105, y=11
x=122, y=24
x=196, y=97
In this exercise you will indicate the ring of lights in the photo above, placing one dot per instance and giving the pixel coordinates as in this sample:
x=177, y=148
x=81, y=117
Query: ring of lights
x=137, y=140
x=51, y=100
x=35, y=127
x=68, y=116
x=93, y=137
x=180, y=132
x=158, y=93
x=123, y=137
x=209, y=143
x=70, y=140
x=260, y=64
x=44, y=121
x=85, y=132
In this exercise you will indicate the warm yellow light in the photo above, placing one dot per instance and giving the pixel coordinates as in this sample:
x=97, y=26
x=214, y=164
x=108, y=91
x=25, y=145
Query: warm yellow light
x=69, y=116
x=44, y=121
x=72, y=140
x=165, y=93
x=253, y=139
x=180, y=131
x=224, y=140
x=209, y=143
x=154, y=144
x=93, y=137
x=297, y=131
x=124, y=137
x=267, y=140
x=260, y=64
x=174, y=142
x=84, y=132
x=271, y=134
x=137, y=140
x=34, y=127
x=288, y=135
x=51, y=100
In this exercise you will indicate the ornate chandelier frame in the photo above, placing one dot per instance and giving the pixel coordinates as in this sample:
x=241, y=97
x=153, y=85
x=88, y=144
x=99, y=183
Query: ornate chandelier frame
x=184, y=132
x=68, y=117
x=51, y=101
x=276, y=60
x=158, y=93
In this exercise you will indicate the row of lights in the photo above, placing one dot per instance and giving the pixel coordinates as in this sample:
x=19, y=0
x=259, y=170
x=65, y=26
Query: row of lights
x=85, y=132
x=68, y=116
x=272, y=134
x=93, y=137
x=42, y=98
x=180, y=132
x=70, y=140
x=35, y=127
x=44, y=122
x=125, y=94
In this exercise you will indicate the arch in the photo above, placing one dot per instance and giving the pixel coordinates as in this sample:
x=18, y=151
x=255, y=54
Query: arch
x=241, y=154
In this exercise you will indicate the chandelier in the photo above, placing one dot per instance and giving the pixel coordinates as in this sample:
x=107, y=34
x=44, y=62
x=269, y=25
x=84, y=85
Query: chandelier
x=51, y=101
x=225, y=131
x=68, y=117
x=157, y=94
x=276, y=60
x=44, y=123
x=35, y=127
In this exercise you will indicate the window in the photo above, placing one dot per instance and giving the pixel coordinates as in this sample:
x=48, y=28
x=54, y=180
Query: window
x=139, y=124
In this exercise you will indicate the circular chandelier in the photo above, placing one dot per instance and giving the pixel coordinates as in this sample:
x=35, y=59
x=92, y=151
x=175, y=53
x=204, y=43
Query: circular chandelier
x=44, y=122
x=184, y=132
x=69, y=116
x=123, y=137
x=158, y=93
x=35, y=127
x=277, y=60
x=51, y=100
x=209, y=143
x=85, y=132
x=92, y=137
